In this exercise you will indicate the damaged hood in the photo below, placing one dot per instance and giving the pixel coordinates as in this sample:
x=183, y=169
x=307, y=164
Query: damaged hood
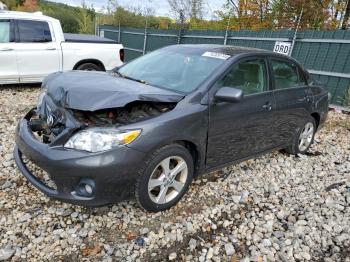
x=92, y=91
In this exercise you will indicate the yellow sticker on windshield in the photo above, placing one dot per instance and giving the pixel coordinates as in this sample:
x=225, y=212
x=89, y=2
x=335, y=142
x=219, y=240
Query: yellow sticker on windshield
x=216, y=55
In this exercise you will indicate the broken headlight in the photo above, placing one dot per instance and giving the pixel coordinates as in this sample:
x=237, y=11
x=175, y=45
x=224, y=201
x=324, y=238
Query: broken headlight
x=101, y=139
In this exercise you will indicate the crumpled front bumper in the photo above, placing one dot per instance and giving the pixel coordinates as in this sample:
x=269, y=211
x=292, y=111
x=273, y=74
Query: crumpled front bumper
x=113, y=172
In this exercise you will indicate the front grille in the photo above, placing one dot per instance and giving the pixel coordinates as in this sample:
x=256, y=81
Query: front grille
x=39, y=173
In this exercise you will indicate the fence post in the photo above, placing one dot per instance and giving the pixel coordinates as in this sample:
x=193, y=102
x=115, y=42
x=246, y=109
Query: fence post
x=119, y=33
x=182, y=21
x=145, y=39
x=95, y=25
x=227, y=28
x=296, y=30
x=179, y=36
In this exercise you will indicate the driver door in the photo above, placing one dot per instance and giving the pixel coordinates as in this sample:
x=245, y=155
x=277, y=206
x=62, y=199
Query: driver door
x=8, y=55
x=239, y=130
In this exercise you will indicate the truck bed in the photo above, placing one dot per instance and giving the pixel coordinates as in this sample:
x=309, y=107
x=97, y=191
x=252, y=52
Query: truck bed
x=83, y=38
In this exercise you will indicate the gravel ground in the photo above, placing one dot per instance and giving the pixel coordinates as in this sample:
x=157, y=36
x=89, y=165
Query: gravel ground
x=273, y=208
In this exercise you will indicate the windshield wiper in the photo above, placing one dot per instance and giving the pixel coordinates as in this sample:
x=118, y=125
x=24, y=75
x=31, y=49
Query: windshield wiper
x=130, y=78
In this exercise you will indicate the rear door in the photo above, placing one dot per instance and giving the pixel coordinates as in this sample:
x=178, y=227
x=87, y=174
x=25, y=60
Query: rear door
x=37, y=52
x=240, y=130
x=8, y=56
x=292, y=97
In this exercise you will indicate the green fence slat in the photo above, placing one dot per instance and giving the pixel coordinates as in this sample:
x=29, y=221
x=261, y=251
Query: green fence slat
x=131, y=55
x=341, y=91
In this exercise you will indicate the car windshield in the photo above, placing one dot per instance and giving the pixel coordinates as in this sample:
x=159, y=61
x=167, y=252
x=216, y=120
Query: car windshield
x=178, y=69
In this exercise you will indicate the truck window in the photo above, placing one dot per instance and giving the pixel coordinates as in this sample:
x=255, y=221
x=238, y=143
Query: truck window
x=34, y=31
x=4, y=31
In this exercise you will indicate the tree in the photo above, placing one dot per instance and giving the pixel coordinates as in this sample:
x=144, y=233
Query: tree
x=316, y=14
x=86, y=19
x=190, y=9
x=29, y=6
x=11, y=4
x=345, y=23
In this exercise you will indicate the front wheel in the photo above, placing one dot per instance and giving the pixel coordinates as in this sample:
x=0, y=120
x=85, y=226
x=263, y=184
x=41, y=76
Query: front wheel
x=165, y=178
x=304, y=138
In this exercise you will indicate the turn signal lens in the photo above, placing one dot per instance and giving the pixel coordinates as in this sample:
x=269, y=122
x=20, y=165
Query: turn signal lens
x=130, y=136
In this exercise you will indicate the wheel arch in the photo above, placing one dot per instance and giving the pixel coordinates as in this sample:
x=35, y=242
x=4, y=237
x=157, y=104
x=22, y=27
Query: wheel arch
x=195, y=153
x=317, y=118
x=93, y=61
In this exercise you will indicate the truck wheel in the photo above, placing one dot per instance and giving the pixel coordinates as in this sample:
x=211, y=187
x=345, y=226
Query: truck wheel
x=164, y=178
x=89, y=67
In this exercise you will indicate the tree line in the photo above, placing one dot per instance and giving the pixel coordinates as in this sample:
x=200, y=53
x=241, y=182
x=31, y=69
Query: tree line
x=198, y=14
x=73, y=19
x=265, y=14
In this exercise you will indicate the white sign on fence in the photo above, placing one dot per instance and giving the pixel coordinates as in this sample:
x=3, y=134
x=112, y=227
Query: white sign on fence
x=282, y=47
x=102, y=33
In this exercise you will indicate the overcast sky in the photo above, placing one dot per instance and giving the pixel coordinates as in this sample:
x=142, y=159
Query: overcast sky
x=161, y=7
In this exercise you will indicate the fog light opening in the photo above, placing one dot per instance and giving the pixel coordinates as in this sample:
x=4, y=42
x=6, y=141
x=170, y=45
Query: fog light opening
x=85, y=188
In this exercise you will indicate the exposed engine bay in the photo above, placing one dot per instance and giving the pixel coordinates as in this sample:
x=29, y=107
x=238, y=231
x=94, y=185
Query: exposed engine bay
x=131, y=113
x=46, y=127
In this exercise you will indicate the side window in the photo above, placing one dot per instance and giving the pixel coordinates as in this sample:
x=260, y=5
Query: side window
x=249, y=75
x=286, y=74
x=33, y=31
x=5, y=31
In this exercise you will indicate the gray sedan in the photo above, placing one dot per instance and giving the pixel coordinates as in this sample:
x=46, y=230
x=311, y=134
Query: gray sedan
x=148, y=128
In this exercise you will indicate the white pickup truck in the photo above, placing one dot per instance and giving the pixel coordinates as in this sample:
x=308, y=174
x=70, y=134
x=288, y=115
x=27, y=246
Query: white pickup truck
x=33, y=45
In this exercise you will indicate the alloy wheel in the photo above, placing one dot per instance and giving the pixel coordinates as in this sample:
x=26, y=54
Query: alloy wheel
x=167, y=180
x=306, y=136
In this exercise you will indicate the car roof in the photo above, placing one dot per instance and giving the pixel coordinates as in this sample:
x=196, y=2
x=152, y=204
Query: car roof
x=225, y=49
x=230, y=50
x=24, y=15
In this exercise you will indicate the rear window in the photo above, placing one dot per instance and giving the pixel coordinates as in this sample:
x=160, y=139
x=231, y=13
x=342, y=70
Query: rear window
x=4, y=31
x=33, y=31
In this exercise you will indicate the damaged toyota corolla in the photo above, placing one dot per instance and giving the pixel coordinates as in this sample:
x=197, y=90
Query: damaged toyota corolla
x=146, y=129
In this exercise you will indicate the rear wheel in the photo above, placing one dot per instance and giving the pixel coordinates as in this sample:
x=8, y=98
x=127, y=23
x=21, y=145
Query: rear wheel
x=89, y=67
x=304, y=138
x=165, y=178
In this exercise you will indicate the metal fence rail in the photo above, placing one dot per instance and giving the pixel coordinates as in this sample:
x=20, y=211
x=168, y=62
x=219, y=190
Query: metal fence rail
x=326, y=54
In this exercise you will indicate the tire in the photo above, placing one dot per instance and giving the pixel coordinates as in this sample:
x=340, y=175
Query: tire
x=89, y=67
x=149, y=195
x=302, y=133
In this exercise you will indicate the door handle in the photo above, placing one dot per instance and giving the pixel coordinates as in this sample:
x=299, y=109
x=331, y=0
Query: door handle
x=267, y=106
x=51, y=48
x=305, y=98
x=6, y=49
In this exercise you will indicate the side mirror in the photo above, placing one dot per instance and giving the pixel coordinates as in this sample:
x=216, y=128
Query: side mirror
x=229, y=94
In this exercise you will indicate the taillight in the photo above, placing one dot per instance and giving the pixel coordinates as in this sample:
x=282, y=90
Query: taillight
x=122, y=55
